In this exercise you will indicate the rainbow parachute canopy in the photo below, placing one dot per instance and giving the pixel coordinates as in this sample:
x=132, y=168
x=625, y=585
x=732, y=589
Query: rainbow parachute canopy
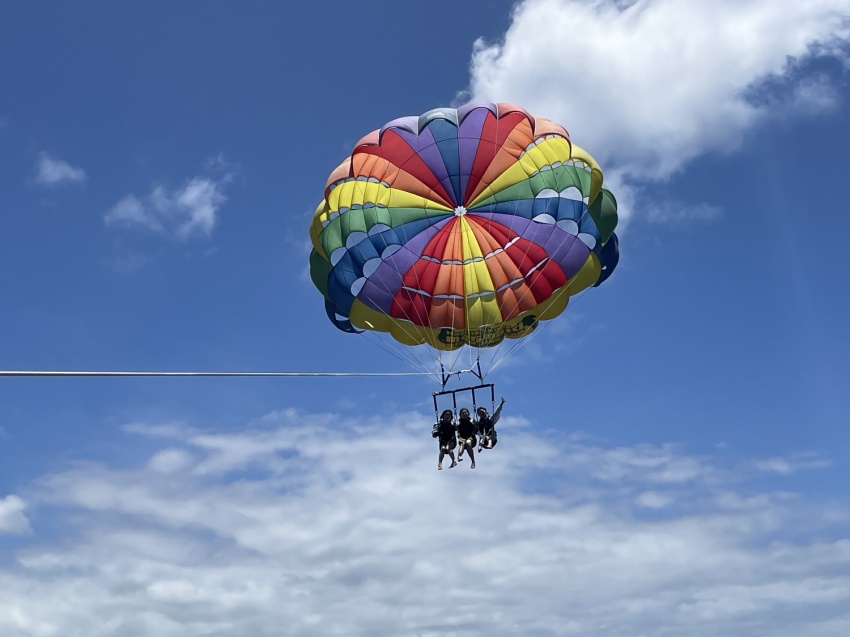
x=461, y=227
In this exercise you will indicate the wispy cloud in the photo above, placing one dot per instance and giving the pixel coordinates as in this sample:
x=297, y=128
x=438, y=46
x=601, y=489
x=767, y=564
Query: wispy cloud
x=666, y=212
x=815, y=94
x=179, y=214
x=53, y=171
x=12, y=518
x=792, y=464
x=654, y=499
x=330, y=526
x=648, y=85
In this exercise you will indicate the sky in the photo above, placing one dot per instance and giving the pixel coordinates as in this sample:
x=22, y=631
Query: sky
x=673, y=453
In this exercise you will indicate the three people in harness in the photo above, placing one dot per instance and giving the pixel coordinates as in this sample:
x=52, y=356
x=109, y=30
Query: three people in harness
x=468, y=432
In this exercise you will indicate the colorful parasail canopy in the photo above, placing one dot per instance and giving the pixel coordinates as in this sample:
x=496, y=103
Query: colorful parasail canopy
x=461, y=227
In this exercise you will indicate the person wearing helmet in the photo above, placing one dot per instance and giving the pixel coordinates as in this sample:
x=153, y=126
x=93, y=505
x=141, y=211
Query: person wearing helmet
x=486, y=426
x=446, y=432
x=466, y=432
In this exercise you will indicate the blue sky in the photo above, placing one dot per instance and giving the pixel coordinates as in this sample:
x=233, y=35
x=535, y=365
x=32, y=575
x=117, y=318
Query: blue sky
x=674, y=447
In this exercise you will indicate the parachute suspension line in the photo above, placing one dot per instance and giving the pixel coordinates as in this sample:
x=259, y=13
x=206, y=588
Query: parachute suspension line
x=453, y=356
x=449, y=364
x=446, y=375
x=522, y=342
x=218, y=374
x=519, y=301
x=457, y=233
x=417, y=363
x=468, y=303
x=397, y=352
x=518, y=344
x=412, y=360
x=388, y=347
x=409, y=332
x=390, y=350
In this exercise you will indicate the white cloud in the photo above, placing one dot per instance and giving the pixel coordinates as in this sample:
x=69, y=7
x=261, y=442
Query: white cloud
x=201, y=197
x=180, y=214
x=792, y=464
x=311, y=524
x=132, y=212
x=815, y=94
x=189, y=211
x=218, y=165
x=645, y=463
x=170, y=461
x=53, y=171
x=654, y=500
x=646, y=86
x=12, y=518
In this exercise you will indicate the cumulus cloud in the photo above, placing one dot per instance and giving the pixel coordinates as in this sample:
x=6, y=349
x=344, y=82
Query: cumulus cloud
x=313, y=525
x=180, y=214
x=53, y=171
x=648, y=85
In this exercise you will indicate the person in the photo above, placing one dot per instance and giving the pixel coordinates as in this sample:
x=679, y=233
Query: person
x=466, y=434
x=446, y=431
x=486, y=426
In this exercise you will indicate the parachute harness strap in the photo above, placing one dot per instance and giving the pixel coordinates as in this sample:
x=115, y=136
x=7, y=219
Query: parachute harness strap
x=455, y=392
x=445, y=376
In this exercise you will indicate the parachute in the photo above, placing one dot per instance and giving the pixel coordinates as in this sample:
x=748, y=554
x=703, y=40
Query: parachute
x=461, y=228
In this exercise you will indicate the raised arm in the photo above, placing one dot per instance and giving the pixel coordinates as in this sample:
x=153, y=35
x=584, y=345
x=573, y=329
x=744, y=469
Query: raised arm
x=498, y=412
